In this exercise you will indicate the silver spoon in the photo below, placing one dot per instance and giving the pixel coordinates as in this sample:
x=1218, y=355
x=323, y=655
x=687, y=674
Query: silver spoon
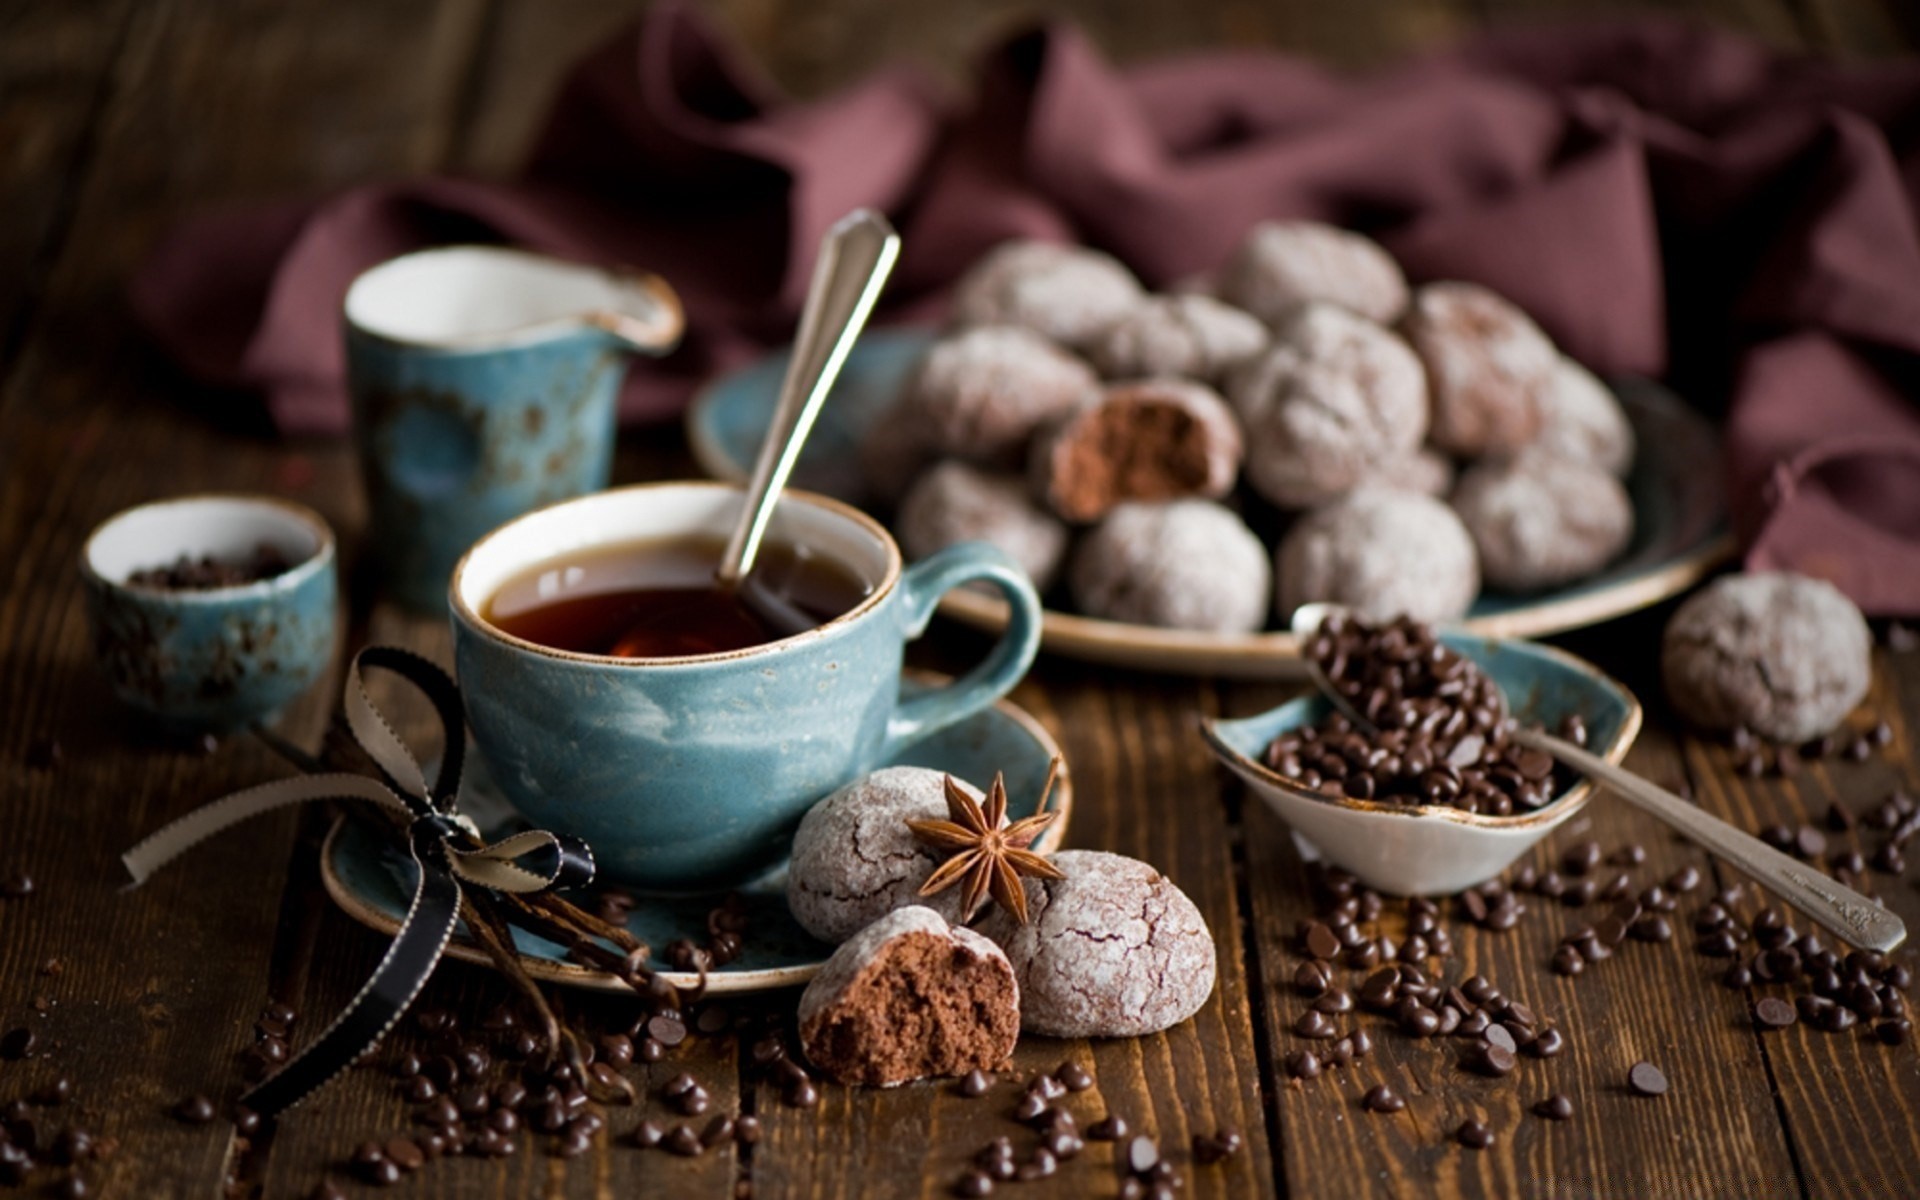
x=855, y=258
x=1834, y=906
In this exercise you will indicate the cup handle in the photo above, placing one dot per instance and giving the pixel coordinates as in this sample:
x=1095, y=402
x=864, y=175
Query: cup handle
x=921, y=587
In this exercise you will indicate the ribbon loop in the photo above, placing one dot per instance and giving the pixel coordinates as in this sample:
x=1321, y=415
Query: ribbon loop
x=445, y=844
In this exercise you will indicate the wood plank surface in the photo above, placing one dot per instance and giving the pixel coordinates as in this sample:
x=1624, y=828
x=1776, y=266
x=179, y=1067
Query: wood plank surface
x=1716, y=1133
x=117, y=119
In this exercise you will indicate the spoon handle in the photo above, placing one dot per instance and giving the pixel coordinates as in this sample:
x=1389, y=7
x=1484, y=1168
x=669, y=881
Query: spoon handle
x=855, y=258
x=1838, y=908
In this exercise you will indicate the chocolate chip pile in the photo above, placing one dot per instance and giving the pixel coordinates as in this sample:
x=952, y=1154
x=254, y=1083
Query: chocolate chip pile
x=1402, y=982
x=1441, y=726
x=189, y=574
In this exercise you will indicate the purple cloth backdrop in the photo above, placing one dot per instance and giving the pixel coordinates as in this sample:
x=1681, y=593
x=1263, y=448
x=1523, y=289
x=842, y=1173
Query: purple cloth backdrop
x=1665, y=199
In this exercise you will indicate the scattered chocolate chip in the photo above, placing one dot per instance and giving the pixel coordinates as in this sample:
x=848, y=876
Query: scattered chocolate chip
x=668, y=1031
x=683, y=1141
x=1473, y=1135
x=1555, y=1107
x=1647, y=1080
x=1314, y=1024
x=1771, y=1012
x=1143, y=1155
x=18, y=1045
x=973, y=1183
x=1487, y=1058
x=1112, y=1127
x=16, y=887
x=194, y=1110
x=1382, y=1099
x=1074, y=1076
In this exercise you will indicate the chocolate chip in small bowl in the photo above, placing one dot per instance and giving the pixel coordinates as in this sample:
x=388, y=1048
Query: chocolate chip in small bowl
x=1436, y=797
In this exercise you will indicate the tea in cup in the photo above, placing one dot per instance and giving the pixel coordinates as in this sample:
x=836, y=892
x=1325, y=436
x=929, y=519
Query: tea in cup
x=618, y=694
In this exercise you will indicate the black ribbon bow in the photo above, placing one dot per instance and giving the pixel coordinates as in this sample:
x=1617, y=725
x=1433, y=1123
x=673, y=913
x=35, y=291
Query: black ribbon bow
x=445, y=845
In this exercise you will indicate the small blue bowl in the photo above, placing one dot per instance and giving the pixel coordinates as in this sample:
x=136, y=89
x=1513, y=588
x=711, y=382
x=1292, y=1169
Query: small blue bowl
x=1428, y=850
x=216, y=659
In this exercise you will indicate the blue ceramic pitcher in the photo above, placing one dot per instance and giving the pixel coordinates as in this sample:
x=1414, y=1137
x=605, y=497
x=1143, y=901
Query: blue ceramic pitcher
x=484, y=382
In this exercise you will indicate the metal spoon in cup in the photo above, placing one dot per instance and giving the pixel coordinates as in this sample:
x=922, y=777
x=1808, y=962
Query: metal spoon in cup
x=1832, y=905
x=855, y=258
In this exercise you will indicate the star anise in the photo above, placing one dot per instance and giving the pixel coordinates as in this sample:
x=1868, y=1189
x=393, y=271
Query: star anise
x=990, y=859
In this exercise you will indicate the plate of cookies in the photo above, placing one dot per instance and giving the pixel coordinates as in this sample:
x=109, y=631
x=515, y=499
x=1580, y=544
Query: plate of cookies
x=1179, y=471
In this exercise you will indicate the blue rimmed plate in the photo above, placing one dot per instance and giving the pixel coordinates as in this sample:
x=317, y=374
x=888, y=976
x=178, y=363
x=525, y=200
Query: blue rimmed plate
x=371, y=879
x=1680, y=527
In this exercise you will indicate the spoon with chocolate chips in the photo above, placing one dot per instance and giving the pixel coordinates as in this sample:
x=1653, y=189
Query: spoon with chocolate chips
x=1432, y=728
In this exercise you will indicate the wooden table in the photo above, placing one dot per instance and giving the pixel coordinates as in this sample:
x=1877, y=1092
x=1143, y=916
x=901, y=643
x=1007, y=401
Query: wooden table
x=117, y=117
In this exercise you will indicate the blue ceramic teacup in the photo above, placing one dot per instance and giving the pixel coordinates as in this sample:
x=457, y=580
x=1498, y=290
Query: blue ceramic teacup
x=484, y=381
x=219, y=658
x=691, y=773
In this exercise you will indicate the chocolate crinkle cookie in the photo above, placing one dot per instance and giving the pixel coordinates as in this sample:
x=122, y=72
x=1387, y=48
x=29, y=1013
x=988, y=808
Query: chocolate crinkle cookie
x=855, y=860
x=1067, y=293
x=1784, y=655
x=1285, y=265
x=1184, y=564
x=1114, y=949
x=1581, y=418
x=980, y=393
x=1383, y=552
x=893, y=451
x=1192, y=336
x=1423, y=470
x=910, y=997
x=1335, y=398
x=956, y=502
x=1540, y=521
x=1487, y=366
x=1157, y=439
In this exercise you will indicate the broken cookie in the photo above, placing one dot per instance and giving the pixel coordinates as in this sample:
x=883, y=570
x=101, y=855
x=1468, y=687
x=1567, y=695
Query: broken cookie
x=910, y=997
x=1155, y=439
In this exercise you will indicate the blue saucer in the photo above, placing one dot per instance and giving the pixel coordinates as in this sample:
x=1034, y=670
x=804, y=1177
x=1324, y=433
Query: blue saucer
x=372, y=879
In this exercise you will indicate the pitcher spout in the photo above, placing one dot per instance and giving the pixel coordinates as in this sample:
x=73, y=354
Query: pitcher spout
x=647, y=316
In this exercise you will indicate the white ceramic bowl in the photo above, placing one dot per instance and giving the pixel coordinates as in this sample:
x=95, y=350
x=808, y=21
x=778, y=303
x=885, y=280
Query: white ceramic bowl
x=1428, y=850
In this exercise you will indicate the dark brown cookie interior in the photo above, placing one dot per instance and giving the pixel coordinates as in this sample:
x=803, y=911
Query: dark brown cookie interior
x=921, y=1006
x=1137, y=450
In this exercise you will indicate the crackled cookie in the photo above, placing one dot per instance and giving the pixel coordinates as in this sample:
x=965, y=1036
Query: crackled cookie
x=1487, y=366
x=1066, y=293
x=855, y=860
x=1183, y=564
x=1332, y=401
x=1383, y=552
x=1422, y=470
x=1540, y=521
x=1157, y=439
x=1191, y=336
x=893, y=452
x=910, y=997
x=980, y=393
x=1580, y=418
x=1114, y=949
x=956, y=502
x=1784, y=655
x=1285, y=265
